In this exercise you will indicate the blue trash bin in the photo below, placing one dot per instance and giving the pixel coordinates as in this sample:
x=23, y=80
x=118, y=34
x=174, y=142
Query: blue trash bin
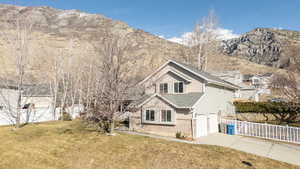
x=230, y=129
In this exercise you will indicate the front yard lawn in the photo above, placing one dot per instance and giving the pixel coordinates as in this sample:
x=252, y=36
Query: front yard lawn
x=69, y=145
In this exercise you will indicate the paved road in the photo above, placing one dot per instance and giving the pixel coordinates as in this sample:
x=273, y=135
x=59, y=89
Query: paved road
x=275, y=150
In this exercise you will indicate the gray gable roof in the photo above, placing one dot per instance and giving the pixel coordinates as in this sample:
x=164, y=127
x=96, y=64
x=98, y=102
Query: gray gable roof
x=140, y=100
x=186, y=100
x=183, y=100
x=205, y=74
x=201, y=74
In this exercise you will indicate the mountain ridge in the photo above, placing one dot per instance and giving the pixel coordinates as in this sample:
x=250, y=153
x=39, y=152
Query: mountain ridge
x=57, y=27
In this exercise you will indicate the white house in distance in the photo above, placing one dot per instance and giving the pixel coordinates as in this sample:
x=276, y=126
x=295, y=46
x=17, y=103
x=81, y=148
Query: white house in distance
x=247, y=91
x=260, y=82
x=8, y=103
x=180, y=98
x=36, y=101
x=36, y=104
x=40, y=99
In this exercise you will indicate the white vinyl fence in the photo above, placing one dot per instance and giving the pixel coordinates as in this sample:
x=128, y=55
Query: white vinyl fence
x=267, y=131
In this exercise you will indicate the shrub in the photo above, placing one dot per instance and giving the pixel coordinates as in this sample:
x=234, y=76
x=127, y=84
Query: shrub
x=180, y=135
x=282, y=111
x=66, y=117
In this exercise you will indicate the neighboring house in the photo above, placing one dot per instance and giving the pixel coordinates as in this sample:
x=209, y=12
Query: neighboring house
x=247, y=92
x=260, y=82
x=38, y=95
x=36, y=103
x=8, y=104
x=180, y=98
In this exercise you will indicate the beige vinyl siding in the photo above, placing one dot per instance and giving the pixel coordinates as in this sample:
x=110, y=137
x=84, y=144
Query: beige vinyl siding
x=157, y=105
x=181, y=119
x=170, y=79
x=165, y=76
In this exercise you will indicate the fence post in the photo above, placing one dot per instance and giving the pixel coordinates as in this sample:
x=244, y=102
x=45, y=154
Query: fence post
x=245, y=127
x=287, y=133
x=297, y=136
x=280, y=129
x=266, y=132
x=235, y=127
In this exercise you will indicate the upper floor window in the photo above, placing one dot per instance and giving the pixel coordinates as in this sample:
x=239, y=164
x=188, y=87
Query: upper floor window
x=150, y=115
x=163, y=88
x=178, y=87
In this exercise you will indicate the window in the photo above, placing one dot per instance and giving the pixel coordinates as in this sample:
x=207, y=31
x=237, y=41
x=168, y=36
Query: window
x=166, y=115
x=163, y=88
x=178, y=87
x=150, y=115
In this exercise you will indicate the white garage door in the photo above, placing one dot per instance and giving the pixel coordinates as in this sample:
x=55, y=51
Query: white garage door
x=206, y=124
x=213, y=123
x=201, y=126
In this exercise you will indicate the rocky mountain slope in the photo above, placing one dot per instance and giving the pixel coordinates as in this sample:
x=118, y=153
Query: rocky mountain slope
x=57, y=28
x=263, y=46
x=54, y=30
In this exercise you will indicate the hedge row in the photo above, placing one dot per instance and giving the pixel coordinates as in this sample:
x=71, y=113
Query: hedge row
x=266, y=107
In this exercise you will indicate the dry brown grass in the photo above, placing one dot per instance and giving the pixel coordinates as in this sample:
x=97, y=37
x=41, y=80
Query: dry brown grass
x=68, y=145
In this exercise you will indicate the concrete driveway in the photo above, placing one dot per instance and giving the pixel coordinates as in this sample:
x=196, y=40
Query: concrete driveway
x=275, y=150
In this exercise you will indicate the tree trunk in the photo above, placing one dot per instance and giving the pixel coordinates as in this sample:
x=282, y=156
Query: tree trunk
x=18, y=117
x=112, y=127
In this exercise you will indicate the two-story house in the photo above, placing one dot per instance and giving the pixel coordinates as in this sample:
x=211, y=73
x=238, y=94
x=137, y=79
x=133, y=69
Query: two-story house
x=180, y=98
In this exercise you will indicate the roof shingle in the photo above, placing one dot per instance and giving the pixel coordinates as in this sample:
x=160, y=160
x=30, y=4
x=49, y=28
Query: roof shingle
x=183, y=100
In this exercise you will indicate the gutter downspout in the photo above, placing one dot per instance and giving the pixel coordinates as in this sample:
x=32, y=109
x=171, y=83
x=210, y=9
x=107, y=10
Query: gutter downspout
x=192, y=123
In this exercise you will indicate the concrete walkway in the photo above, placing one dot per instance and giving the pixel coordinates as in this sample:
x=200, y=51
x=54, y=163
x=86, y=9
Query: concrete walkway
x=275, y=150
x=288, y=153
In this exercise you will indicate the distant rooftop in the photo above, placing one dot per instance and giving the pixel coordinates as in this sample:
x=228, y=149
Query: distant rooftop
x=37, y=90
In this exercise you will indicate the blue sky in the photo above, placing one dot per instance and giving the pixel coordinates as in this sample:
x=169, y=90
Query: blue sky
x=172, y=18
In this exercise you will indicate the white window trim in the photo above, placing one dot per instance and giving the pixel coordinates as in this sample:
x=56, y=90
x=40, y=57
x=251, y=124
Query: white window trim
x=166, y=116
x=183, y=87
x=145, y=115
x=158, y=120
x=168, y=88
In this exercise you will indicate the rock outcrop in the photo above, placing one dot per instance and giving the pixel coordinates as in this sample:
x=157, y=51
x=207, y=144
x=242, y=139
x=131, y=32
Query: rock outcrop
x=263, y=46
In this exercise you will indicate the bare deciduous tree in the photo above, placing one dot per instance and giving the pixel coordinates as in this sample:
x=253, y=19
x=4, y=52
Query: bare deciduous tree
x=202, y=38
x=287, y=86
x=115, y=78
x=19, y=40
